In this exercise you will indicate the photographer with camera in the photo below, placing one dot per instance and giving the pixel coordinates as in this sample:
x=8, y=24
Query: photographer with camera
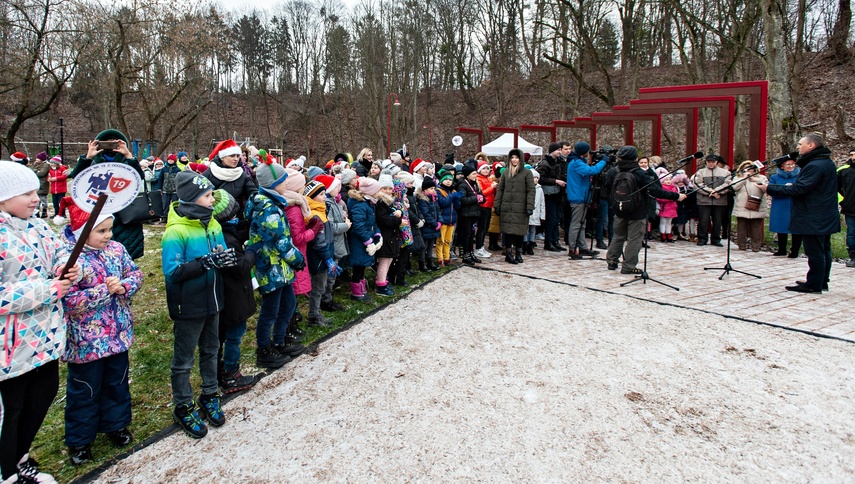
x=579, y=173
x=552, y=182
x=111, y=146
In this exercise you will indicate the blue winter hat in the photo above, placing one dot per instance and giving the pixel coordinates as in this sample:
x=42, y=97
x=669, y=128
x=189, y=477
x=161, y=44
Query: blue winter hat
x=581, y=148
x=181, y=153
x=313, y=171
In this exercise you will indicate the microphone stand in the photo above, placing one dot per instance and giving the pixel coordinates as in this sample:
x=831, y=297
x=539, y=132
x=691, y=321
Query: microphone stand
x=728, y=268
x=644, y=276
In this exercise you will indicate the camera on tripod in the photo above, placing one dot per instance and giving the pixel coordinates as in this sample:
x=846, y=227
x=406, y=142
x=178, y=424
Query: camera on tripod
x=607, y=152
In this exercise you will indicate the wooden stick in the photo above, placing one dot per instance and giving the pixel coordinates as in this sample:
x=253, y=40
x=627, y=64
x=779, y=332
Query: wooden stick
x=87, y=228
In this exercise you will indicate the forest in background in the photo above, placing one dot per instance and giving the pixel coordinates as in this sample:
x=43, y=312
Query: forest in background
x=314, y=77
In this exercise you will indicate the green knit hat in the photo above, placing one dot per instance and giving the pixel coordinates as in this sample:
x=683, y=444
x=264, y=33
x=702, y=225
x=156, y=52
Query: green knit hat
x=111, y=134
x=225, y=206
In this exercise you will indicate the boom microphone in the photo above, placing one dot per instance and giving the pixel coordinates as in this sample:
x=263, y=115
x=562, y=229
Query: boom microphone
x=697, y=156
x=788, y=156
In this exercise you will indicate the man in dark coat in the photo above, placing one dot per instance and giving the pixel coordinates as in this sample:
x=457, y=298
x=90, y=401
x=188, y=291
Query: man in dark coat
x=552, y=182
x=814, y=212
x=129, y=235
x=630, y=227
x=846, y=188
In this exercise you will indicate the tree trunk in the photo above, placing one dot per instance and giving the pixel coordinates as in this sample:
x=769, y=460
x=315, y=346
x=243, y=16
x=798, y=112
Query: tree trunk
x=839, y=40
x=783, y=122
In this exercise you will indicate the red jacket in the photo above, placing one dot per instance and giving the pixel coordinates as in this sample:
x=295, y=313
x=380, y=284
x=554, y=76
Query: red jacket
x=59, y=186
x=487, y=189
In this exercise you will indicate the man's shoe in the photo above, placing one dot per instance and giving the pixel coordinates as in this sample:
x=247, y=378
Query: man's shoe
x=802, y=283
x=268, y=357
x=588, y=253
x=718, y=243
x=552, y=248
x=793, y=255
x=602, y=245
x=803, y=288
x=702, y=242
x=612, y=264
x=574, y=255
x=233, y=381
x=634, y=270
x=120, y=438
x=187, y=417
x=209, y=408
x=80, y=455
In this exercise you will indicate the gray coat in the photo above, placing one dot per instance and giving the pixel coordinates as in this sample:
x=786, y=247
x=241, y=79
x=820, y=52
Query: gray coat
x=514, y=200
x=335, y=214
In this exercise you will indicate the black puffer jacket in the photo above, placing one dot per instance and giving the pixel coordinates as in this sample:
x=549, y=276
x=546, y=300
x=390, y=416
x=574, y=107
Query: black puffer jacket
x=239, y=297
x=390, y=227
x=242, y=189
x=846, y=188
x=469, y=202
x=549, y=170
x=654, y=190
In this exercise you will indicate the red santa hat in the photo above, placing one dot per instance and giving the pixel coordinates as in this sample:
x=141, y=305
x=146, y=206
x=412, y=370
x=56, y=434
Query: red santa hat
x=418, y=164
x=330, y=182
x=225, y=148
x=18, y=157
x=77, y=216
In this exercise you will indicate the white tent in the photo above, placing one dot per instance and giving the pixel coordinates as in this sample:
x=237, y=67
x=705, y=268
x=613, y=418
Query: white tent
x=505, y=143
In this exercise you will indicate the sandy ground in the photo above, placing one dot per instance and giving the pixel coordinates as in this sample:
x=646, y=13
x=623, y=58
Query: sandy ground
x=512, y=379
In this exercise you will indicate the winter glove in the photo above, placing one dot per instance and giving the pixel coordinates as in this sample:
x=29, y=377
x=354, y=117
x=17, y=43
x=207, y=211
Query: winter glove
x=376, y=239
x=529, y=212
x=480, y=198
x=315, y=224
x=253, y=248
x=420, y=224
x=333, y=269
x=438, y=226
x=220, y=260
x=371, y=249
x=300, y=263
x=498, y=213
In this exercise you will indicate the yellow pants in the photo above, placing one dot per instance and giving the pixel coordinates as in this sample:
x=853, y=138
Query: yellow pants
x=443, y=243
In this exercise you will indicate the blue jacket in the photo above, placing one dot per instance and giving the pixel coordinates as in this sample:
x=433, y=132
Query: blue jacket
x=579, y=175
x=449, y=203
x=429, y=210
x=814, y=194
x=779, y=217
x=270, y=237
x=192, y=291
x=363, y=229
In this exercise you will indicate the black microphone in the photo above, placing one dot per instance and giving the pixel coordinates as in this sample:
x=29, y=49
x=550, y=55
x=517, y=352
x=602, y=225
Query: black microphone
x=788, y=156
x=697, y=156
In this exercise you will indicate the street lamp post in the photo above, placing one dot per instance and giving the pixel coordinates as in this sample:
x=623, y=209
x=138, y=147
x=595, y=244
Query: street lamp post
x=389, y=119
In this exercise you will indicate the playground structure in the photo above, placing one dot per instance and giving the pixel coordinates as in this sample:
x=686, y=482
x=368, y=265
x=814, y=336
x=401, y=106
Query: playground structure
x=653, y=102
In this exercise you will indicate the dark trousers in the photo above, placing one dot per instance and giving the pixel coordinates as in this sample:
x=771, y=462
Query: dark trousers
x=189, y=334
x=483, y=225
x=818, y=252
x=782, y=243
x=707, y=213
x=56, y=198
x=553, y=218
x=465, y=232
x=25, y=401
x=276, y=310
x=98, y=399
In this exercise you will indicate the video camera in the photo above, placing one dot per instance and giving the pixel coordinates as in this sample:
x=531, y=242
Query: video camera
x=607, y=152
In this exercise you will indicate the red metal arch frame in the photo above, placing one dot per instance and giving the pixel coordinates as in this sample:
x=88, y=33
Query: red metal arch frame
x=690, y=106
x=505, y=129
x=580, y=123
x=621, y=114
x=758, y=106
x=479, y=132
x=539, y=128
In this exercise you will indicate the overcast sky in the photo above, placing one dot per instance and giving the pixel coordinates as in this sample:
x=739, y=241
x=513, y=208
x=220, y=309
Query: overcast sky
x=239, y=6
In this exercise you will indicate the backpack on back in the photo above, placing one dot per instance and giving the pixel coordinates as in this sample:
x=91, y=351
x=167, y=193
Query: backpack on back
x=626, y=198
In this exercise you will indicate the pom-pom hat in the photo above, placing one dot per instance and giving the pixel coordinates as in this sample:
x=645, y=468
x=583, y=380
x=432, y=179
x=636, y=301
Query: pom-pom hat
x=225, y=206
x=77, y=217
x=313, y=188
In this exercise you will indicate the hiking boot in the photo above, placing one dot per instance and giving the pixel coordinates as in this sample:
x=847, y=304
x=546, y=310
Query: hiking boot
x=268, y=357
x=120, y=438
x=233, y=381
x=509, y=258
x=612, y=264
x=384, y=290
x=319, y=320
x=209, y=408
x=295, y=330
x=187, y=417
x=290, y=348
x=518, y=255
x=627, y=270
x=80, y=455
x=331, y=306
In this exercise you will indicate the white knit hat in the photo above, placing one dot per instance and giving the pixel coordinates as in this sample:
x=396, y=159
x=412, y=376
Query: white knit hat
x=17, y=179
x=386, y=181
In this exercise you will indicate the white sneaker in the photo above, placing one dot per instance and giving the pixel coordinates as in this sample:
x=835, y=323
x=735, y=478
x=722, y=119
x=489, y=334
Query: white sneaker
x=483, y=253
x=28, y=470
x=539, y=237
